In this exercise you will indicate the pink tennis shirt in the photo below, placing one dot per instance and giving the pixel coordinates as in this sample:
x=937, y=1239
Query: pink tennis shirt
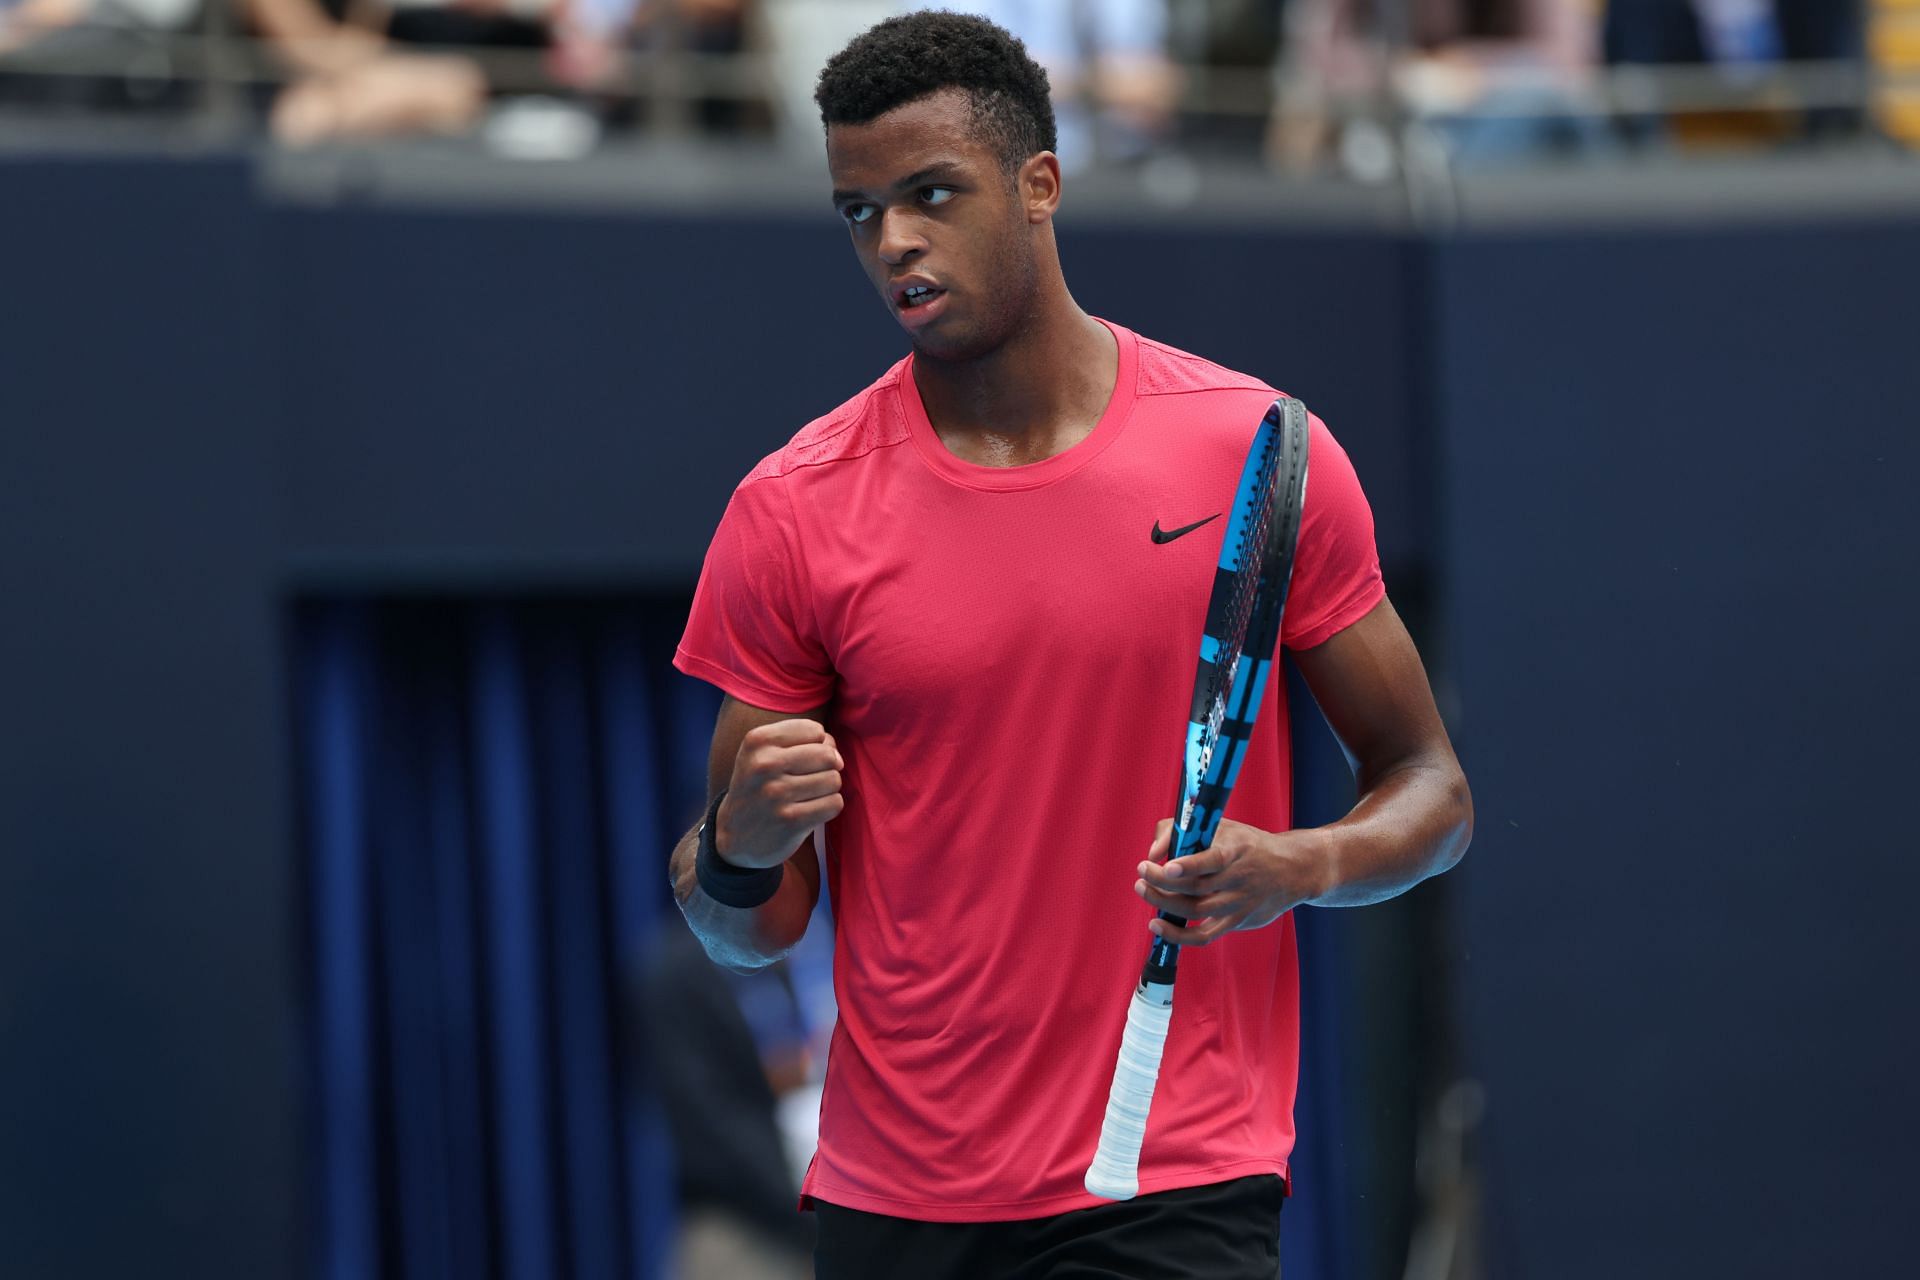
x=1008, y=654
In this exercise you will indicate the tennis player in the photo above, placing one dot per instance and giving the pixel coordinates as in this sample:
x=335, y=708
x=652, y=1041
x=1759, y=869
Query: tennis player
x=955, y=620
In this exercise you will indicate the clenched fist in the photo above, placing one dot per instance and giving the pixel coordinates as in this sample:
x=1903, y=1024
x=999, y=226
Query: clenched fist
x=786, y=782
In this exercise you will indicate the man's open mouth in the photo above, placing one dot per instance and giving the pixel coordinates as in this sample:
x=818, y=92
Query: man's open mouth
x=918, y=295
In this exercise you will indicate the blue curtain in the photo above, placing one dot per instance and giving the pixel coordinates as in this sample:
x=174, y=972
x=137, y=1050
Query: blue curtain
x=487, y=793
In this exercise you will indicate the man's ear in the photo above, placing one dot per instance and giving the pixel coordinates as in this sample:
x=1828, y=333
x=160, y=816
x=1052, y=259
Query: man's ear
x=1039, y=186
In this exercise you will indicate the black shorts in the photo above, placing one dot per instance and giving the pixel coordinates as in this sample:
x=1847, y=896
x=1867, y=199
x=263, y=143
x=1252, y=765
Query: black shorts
x=1227, y=1231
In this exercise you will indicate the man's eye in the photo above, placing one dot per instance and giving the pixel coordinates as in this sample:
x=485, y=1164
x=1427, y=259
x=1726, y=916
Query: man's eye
x=937, y=195
x=857, y=213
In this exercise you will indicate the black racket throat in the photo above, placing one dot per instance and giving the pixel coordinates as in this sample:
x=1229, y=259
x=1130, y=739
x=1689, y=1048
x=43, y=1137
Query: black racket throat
x=1162, y=975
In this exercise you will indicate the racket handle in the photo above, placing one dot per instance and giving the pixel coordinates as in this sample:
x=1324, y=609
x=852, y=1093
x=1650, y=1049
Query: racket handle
x=1115, y=1171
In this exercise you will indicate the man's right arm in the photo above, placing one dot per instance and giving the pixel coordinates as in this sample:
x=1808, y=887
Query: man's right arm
x=782, y=777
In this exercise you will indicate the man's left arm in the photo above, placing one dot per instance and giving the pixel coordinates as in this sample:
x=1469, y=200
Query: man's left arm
x=1413, y=819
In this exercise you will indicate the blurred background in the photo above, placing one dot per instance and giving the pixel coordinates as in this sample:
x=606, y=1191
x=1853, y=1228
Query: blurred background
x=373, y=374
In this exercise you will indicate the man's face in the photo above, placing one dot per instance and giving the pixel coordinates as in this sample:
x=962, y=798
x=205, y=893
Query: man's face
x=937, y=224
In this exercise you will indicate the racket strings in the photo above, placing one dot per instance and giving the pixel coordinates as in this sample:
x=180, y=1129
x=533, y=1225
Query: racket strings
x=1240, y=602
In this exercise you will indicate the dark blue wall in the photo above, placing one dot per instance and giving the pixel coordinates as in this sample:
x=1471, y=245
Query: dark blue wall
x=489, y=389
x=1653, y=473
x=147, y=1057
x=1680, y=560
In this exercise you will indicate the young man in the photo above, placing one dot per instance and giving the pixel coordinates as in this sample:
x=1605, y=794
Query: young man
x=956, y=622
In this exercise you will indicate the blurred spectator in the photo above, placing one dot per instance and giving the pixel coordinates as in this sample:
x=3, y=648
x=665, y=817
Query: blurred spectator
x=1232, y=45
x=1737, y=34
x=740, y=1218
x=801, y=35
x=23, y=23
x=592, y=39
x=589, y=41
x=92, y=53
x=1731, y=31
x=357, y=69
x=1504, y=80
x=346, y=81
x=1114, y=87
x=353, y=82
x=709, y=28
x=1500, y=79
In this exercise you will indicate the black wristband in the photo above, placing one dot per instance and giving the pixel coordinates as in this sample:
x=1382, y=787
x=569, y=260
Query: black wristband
x=726, y=884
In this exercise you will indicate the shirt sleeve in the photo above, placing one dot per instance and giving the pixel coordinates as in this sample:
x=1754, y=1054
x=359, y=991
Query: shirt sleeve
x=1336, y=566
x=751, y=631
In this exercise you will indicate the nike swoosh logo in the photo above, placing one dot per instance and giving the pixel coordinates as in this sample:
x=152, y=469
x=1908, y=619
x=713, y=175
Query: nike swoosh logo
x=1168, y=535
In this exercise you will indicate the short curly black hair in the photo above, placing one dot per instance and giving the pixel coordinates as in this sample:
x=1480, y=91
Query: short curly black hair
x=906, y=58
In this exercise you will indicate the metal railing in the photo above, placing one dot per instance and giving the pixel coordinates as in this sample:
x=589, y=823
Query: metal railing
x=217, y=64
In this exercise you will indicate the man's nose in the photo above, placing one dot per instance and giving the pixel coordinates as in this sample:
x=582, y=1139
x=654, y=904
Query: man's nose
x=900, y=237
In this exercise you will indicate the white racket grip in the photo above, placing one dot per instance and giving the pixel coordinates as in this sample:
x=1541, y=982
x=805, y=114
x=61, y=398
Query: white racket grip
x=1115, y=1171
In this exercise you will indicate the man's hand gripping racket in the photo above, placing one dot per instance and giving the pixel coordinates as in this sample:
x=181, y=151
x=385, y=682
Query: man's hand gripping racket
x=1236, y=651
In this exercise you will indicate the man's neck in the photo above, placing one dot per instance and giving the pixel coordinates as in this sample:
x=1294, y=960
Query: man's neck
x=1038, y=395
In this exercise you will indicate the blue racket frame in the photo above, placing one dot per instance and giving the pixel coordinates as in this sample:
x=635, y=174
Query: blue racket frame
x=1219, y=728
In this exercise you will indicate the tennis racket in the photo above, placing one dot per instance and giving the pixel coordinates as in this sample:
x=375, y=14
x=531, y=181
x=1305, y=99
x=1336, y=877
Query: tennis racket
x=1236, y=651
